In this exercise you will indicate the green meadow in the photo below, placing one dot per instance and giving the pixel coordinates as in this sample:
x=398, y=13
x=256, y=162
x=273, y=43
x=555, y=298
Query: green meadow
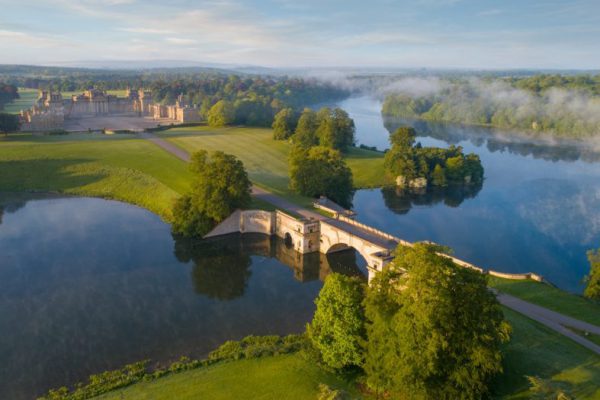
x=121, y=168
x=266, y=159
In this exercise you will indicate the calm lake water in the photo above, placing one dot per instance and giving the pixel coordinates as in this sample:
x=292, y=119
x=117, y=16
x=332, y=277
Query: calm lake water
x=538, y=209
x=88, y=285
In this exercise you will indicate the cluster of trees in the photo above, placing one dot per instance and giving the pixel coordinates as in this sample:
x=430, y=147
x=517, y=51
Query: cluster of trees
x=592, y=280
x=424, y=328
x=327, y=127
x=558, y=105
x=316, y=164
x=8, y=93
x=438, y=166
x=220, y=186
x=321, y=171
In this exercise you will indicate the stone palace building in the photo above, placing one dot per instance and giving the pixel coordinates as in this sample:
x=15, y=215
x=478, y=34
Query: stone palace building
x=51, y=110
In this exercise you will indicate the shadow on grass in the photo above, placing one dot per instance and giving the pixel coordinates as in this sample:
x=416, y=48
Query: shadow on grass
x=47, y=175
x=535, y=350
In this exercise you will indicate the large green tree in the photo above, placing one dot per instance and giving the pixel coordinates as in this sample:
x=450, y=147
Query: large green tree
x=220, y=186
x=592, y=288
x=321, y=171
x=337, y=330
x=9, y=123
x=306, y=129
x=434, y=329
x=336, y=129
x=221, y=114
x=284, y=124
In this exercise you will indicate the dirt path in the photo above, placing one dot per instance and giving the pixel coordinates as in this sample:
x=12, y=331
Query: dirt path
x=549, y=318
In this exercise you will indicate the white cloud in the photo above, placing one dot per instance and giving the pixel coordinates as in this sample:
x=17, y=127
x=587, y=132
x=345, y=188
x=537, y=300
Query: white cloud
x=177, y=40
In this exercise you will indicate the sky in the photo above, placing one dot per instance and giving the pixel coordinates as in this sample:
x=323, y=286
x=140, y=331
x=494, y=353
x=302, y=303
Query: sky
x=482, y=34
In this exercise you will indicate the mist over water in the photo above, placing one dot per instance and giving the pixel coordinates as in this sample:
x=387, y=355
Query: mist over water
x=538, y=209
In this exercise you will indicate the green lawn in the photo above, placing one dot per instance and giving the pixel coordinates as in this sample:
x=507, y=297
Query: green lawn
x=266, y=159
x=286, y=377
x=27, y=97
x=535, y=350
x=550, y=297
x=118, y=167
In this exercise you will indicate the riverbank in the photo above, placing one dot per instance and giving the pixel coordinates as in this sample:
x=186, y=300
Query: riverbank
x=533, y=351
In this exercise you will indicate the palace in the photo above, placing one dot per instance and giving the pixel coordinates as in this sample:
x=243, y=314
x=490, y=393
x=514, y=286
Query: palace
x=50, y=109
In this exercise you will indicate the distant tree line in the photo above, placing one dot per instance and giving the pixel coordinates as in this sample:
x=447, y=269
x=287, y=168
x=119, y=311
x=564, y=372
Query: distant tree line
x=223, y=98
x=434, y=166
x=564, y=106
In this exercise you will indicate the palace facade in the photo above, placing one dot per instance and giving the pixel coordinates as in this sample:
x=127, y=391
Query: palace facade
x=50, y=109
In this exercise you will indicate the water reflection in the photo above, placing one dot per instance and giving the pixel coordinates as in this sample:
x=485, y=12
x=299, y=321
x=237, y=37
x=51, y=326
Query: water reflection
x=221, y=266
x=88, y=285
x=496, y=140
x=400, y=200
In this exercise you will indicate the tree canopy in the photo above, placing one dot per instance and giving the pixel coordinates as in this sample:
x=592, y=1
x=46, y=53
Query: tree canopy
x=284, y=123
x=9, y=123
x=220, y=186
x=221, y=114
x=439, y=166
x=321, y=171
x=337, y=330
x=592, y=288
x=434, y=329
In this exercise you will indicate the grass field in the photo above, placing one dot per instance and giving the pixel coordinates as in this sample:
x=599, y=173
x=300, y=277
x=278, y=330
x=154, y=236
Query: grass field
x=121, y=168
x=550, y=297
x=535, y=350
x=266, y=159
x=289, y=377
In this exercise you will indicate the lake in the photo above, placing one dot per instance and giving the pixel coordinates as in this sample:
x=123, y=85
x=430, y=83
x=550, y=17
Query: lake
x=537, y=211
x=88, y=285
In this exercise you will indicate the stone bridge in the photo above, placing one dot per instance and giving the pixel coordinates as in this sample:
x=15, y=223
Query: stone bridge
x=307, y=235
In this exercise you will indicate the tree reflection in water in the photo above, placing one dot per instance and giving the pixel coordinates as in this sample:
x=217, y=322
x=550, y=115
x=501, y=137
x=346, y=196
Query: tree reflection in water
x=400, y=200
x=221, y=266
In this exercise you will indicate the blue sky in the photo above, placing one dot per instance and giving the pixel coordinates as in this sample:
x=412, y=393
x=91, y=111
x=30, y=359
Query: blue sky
x=314, y=33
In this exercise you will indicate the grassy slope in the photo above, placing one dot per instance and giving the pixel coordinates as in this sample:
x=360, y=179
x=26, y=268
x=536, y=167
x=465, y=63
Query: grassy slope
x=287, y=377
x=266, y=159
x=122, y=168
x=550, y=297
x=535, y=350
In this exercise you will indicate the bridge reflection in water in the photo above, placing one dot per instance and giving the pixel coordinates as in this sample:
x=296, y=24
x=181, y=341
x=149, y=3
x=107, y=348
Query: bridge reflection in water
x=221, y=267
